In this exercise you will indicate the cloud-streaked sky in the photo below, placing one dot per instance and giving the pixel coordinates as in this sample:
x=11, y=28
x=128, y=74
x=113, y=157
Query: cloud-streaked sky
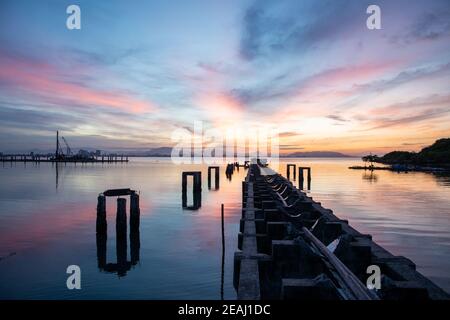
x=138, y=70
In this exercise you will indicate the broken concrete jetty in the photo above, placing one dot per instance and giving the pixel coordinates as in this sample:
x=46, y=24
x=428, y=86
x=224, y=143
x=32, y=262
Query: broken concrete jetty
x=290, y=247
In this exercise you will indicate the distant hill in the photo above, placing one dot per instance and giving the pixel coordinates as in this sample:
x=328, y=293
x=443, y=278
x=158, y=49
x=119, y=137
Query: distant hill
x=316, y=154
x=166, y=152
x=159, y=152
x=438, y=154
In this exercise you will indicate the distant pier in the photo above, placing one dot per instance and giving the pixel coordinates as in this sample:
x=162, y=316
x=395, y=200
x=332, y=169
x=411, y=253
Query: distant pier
x=111, y=158
x=65, y=156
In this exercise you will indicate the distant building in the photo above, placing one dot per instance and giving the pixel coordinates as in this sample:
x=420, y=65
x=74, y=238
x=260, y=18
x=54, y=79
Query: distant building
x=84, y=153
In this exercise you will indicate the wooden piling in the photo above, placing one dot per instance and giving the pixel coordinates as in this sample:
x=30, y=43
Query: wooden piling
x=134, y=211
x=309, y=178
x=223, y=250
x=197, y=189
x=301, y=178
x=288, y=170
x=101, y=214
x=216, y=175
x=121, y=217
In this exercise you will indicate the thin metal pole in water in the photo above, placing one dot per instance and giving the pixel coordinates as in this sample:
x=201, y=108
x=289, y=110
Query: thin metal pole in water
x=223, y=252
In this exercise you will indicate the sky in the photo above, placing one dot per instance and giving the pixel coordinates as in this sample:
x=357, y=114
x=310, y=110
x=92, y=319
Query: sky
x=136, y=71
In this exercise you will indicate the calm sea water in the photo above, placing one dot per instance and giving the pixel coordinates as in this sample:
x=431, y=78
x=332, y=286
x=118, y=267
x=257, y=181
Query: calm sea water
x=48, y=214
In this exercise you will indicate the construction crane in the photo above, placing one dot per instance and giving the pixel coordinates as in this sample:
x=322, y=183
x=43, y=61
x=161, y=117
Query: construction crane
x=68, y=150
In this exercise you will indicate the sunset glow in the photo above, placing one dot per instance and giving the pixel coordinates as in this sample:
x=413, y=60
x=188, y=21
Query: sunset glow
x=313, y=70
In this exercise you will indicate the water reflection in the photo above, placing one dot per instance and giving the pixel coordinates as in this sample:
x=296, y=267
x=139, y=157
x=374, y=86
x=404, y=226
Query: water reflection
x=370, y=177
x=442, y=179
x=223, y=252
x=229, y=171
x=408, y=214
x=122, y=265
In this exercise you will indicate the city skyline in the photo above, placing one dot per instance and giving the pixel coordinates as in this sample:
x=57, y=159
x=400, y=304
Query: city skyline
x=134, y=73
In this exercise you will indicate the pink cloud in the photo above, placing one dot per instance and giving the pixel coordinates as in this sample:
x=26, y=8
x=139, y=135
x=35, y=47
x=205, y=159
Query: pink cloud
x=49, y=83
x=220, y=108
x=348, y=76
x=318, y=93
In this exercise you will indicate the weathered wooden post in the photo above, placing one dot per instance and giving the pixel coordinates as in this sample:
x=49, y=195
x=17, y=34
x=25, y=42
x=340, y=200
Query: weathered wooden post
x=121, y=217
x=134, y=211
x=216, y=184
x=101, y=214
x=288, y=169
x=197, y=189
x=309, y=178
x=101, y=236
x=135, y=242
x=121, y=236
x=301, y=178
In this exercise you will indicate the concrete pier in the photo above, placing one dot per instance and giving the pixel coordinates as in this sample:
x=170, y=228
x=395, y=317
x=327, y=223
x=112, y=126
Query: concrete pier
x=246, y=266
x=290, y=247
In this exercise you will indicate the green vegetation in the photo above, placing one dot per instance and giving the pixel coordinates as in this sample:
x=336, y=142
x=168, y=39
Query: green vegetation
x=437, y=154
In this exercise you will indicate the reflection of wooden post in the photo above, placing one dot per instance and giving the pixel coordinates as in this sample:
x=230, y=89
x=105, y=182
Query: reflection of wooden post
x=134, y=211
x=101, y=249
x=101, y=214
x=121, y=236
x=121, y=253
x=135, y=243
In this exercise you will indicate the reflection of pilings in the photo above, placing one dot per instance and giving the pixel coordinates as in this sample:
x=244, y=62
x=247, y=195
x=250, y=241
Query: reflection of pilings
x=101, y=227
x=197, y=189
x=229, y=171
x=101, y=249
x=223, y=252
x=122, y=265
x=121, y=252
x=135, y=243
x=121, y=236
x=134, y=211
x=301, y=177
x=288, y=169
x=216, y=174
x=101, y=213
